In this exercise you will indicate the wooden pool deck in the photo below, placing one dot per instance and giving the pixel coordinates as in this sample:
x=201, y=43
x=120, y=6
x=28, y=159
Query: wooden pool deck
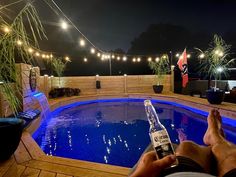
x=30, y=161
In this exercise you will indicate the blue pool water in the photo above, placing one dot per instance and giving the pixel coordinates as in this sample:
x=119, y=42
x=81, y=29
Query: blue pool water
x=116, y=131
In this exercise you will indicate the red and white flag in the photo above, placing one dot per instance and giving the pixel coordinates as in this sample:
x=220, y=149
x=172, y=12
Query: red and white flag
x=183, y=66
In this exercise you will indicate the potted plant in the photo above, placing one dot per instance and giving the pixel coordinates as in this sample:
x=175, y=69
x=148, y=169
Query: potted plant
x=59, y=66
x=160, y=68
x=214, y=62
x=15, y=42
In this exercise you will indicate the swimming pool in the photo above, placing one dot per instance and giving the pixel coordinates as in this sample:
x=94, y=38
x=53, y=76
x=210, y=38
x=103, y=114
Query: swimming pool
x=115, y=131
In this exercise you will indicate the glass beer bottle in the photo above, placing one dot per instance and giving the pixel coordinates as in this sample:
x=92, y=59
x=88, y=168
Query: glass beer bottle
x=158, y=133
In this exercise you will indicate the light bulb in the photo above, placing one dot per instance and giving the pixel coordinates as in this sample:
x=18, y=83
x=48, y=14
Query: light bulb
x=92, y=50
x=82, y=42
x=64, y=25
x=19, y=42
x=30, y=50
x=6, y=29
x=201, y=56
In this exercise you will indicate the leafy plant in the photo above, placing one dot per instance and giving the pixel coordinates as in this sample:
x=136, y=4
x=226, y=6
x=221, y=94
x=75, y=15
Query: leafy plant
x=215, y=60
x=16, y=35
x=160, y=68
x=59, y=66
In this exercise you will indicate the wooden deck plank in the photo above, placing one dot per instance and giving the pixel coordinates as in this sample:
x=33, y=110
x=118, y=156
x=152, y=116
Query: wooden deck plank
x=4, y=166
x=62, y=175
x=21, y=154
x=14, y=171
x=32, y=147
x=30, y=172
x=69, y=170
x=87, y=165
x=47, y=174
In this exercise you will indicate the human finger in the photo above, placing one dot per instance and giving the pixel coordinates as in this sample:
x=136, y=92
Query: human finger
x=150, y=156
x=165, y=162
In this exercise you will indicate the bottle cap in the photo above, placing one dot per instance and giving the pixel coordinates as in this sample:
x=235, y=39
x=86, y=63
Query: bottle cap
x=147, y=103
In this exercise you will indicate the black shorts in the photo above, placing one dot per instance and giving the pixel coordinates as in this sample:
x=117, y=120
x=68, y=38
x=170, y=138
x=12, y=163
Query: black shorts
x=188, y=165
x=185, y=165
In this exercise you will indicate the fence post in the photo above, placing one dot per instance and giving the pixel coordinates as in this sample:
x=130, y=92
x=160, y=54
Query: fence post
x=45, y=83
x=125, y=83
x=172, y=79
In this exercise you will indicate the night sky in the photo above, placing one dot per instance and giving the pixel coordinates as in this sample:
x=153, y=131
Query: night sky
x=112, y=24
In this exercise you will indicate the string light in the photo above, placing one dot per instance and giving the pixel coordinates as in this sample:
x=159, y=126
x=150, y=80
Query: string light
x=30, y=50
x=47, y=56
x=37, y=54
x=157, y=59
x=92, y=50
x=177, y=55
x=149, y=59
x=7, y=29
x=113, y=56
x=139, y=60
x=202, y=56
x=188, y=56
x=67, y=58
x=85, y=59
x=219, y=69
x=124, y=58
x=82, y=43
x=64, y=25
x=134, y=60
x=98, y=54
x=43, y=56
x=19, y=42
x=164, y=56
x=51, y=56
x=217, y=52
x=221, y=54
x=118, y=58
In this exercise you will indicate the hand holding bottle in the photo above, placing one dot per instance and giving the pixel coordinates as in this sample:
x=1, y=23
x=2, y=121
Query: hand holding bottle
x=150, y=166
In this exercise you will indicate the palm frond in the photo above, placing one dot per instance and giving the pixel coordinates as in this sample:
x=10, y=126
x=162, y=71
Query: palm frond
x=27, y=27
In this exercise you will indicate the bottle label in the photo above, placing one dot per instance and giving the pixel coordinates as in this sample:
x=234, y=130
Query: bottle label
x=162, y=143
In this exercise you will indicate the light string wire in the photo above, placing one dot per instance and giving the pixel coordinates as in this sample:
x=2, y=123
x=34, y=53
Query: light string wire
x=118, y=55
x=65, y=16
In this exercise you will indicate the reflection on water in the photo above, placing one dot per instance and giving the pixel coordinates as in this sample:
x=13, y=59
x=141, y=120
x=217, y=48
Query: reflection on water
x=113, y=132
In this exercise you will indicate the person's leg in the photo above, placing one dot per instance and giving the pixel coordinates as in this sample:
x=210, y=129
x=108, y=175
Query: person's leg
x=200, y=154
x=224, y=151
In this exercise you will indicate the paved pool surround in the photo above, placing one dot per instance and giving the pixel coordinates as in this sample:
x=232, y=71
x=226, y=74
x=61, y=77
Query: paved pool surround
x=29, y=159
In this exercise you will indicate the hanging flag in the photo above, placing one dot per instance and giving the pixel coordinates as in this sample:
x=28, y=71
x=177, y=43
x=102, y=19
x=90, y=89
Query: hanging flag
x=183, y=66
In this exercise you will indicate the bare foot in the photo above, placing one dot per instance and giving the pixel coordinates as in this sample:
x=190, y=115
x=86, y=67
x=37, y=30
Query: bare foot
x=214, y=133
